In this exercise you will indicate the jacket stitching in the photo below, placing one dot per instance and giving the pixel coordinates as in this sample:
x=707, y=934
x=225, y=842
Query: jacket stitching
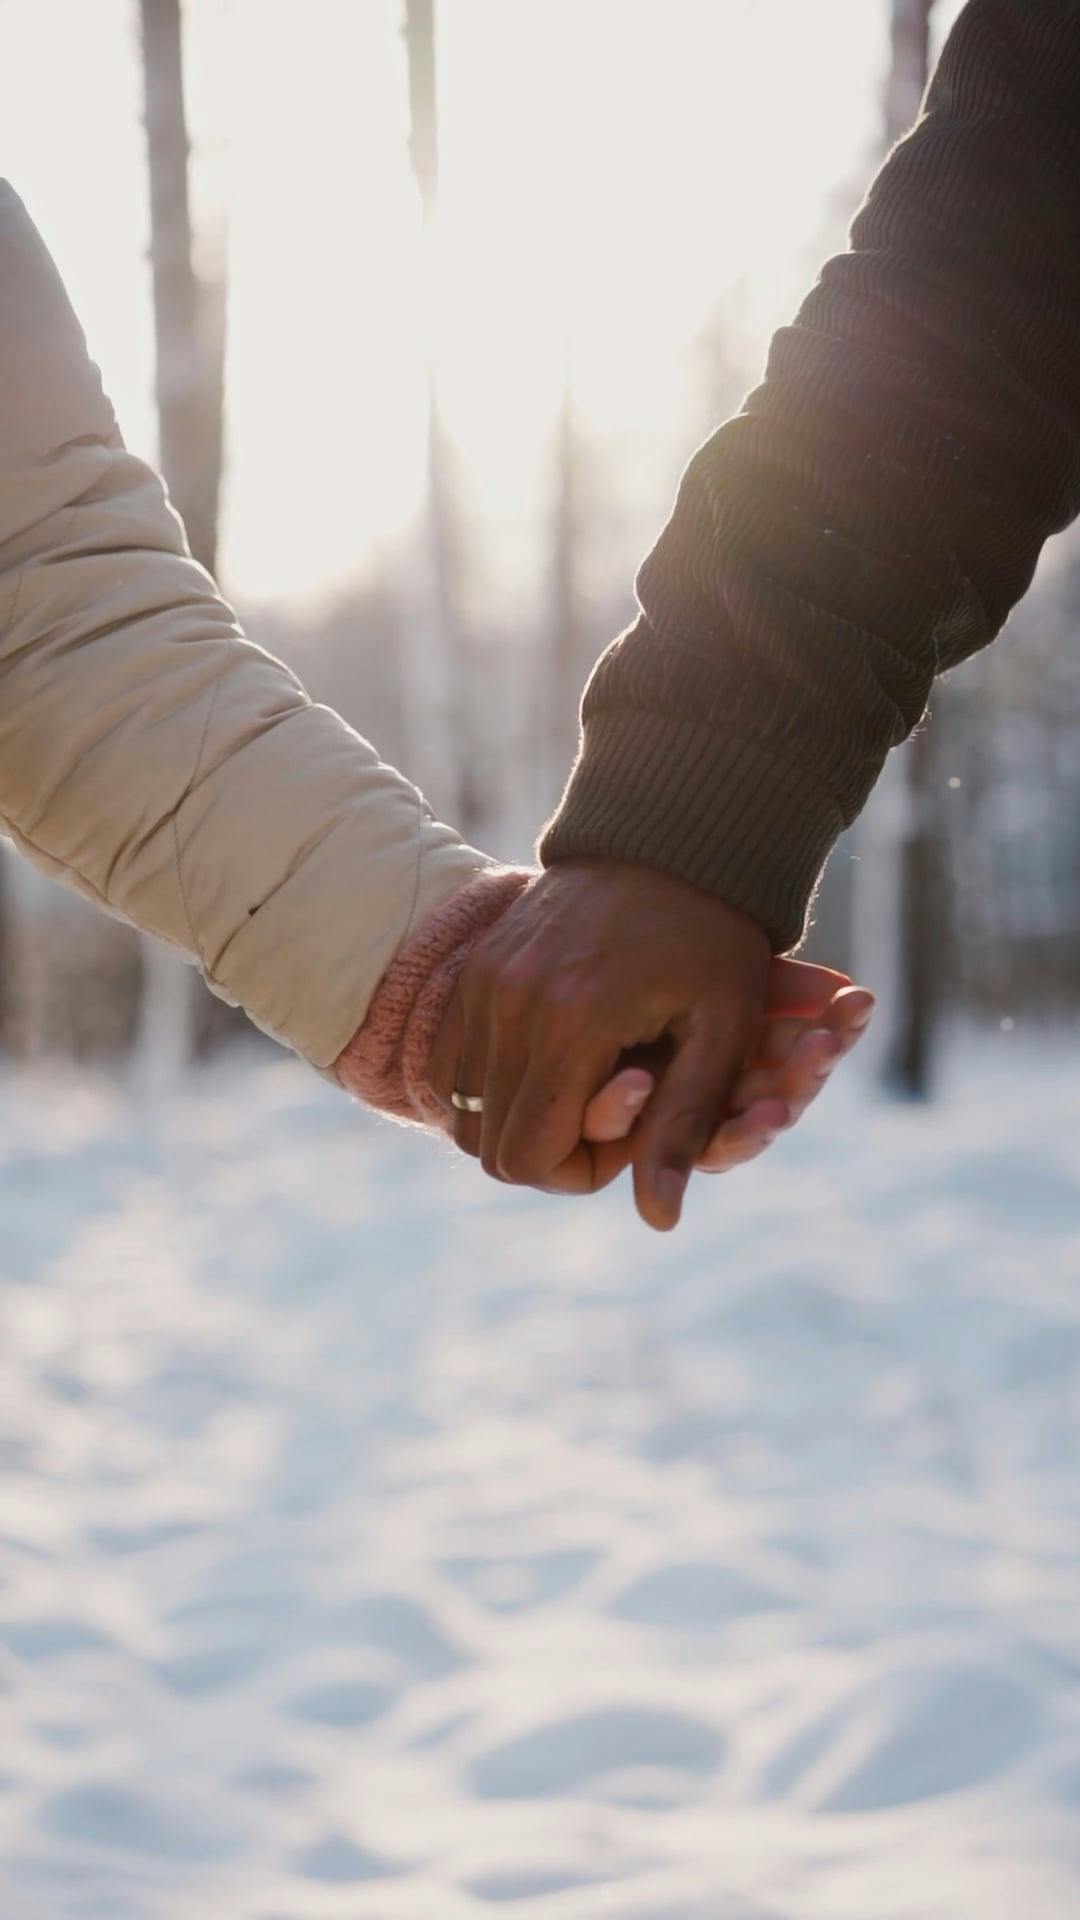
x=20, y=580
x=196, y=943
x=70, y=515
x=15, y=598
x=83, y=884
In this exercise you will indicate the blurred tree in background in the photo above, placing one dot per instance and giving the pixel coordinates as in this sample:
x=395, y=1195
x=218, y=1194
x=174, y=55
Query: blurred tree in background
x=1010, y=791
x=958, y=888
x=189, y=307
x=900, y=921
x=922, y=922
x=77, y=982
x=436, y=667
x=189, y=333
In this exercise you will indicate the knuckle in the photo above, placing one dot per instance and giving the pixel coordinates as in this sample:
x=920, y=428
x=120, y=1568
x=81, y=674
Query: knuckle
x=684, y=1123
x=567, y=997
x=513, y=980
x=516, y=1166
x=680, y=1143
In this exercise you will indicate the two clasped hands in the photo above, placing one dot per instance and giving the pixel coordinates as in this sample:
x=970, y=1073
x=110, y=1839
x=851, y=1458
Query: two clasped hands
x=615, y=1015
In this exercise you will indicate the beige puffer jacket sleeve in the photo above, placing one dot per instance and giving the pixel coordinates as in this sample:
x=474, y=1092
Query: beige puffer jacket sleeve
x=149, y=754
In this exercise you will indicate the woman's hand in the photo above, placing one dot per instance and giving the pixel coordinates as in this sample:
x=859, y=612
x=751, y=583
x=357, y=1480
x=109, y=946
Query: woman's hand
x=815, y=1018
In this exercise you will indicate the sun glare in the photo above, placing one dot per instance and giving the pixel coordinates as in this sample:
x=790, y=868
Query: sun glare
x=610, y=172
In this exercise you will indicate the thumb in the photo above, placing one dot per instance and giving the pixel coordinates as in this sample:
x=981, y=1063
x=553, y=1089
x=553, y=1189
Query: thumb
x=681, y=1117
x=612, y=1113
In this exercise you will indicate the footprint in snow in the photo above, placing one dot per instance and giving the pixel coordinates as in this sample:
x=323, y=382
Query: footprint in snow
x=99, y=1813
x=571, y=1754
x=694, y=1596
x=395, y=1624
x=906, y=1736
x=342, y=1703
x=512, y=1585
x=337, y=1861
x=48, y=1638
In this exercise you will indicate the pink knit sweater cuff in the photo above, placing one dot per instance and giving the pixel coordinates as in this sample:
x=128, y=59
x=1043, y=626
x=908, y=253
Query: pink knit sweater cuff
x=385, y=1063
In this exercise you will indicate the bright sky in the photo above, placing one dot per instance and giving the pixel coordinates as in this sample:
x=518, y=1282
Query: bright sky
x=610, y=168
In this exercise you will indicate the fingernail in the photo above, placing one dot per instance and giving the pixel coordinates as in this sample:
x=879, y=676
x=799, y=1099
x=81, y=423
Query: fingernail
x=670, y=1188
x=635, y=1099
x=862, y=1020
x=767, y=1139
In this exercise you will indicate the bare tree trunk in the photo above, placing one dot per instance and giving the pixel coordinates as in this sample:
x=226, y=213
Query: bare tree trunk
x=563, y=663
x=423, y=103
x=189, y=327
x=921, y=956
x=909, y=66
x=189, y=313
x=922, y=925
x=436, y=700
x=901, y=885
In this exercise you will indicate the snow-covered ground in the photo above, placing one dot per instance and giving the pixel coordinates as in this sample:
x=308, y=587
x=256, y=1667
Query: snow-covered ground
x=377, y=1544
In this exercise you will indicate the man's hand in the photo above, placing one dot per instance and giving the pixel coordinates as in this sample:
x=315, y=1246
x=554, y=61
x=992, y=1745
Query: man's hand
x=594, y=960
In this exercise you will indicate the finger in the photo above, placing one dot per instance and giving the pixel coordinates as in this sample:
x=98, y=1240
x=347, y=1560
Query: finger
x=745, y=1138
x=470, y=1075
x=569, y=1062
x=590, y=1167
x=798, y=1078
x=506, y=1062
x=611, y=1113
x=778, y=1037
x=847, y=1018
x=797, y=987
x=442, y=1062
x=798, y=1082
x=814, y=1059
x=850, y=1014
x=681, y=1117
x=765, y=1103
x=809, y=1070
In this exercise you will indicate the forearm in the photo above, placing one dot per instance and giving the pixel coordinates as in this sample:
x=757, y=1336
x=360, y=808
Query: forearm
x=877, y=508
x=178, y=775
x=149, y=754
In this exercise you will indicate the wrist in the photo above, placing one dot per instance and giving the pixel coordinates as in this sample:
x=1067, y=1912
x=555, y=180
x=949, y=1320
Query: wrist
x=385, y=1063
x=723, y=813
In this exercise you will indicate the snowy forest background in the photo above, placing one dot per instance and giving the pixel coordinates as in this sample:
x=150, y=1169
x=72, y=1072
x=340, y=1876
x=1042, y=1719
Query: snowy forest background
x=378, y=1540
x=460, y=635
